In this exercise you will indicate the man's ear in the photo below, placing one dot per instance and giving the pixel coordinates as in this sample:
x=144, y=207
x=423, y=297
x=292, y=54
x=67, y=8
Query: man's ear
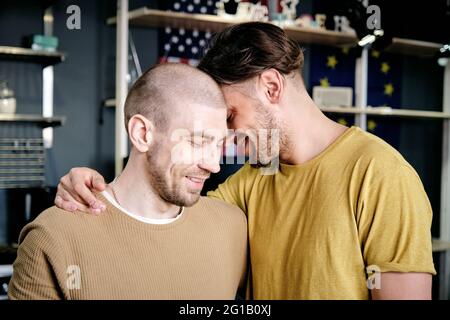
x=272, y=82
x=140, y=131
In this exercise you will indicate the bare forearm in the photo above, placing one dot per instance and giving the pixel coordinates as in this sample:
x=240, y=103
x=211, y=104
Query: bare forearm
x=403, y=286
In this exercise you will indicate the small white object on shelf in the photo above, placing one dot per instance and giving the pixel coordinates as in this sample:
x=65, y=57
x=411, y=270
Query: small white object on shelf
x=7, y=99
x=246, y=11
x=320, y=21
x=243, y=10
x=259, y=12
x=342, y=24
x=333, y=96
x=289, y=10
x=304, y=21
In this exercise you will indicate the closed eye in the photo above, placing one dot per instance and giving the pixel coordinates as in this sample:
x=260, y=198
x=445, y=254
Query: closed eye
x=197, y=143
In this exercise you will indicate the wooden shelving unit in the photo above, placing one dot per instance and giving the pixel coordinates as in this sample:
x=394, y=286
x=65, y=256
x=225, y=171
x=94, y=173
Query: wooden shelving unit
x=144, y=17
x=388, y=112
x=45, y=58
x=375, y=111
x=24, y=150
x=150, y=18
x=417, y=48
x=439, y=245
x=110, y=103
x=44, y=122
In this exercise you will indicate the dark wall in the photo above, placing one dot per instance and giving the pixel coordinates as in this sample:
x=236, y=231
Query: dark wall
x=421, y=140
x=81, y=83
x=86, y=79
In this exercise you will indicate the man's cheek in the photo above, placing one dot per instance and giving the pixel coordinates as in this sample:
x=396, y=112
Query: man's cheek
x=182, y=154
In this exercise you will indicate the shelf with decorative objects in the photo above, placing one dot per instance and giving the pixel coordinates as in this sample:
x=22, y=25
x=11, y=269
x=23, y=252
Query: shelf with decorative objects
x=145, y=17
x=25, y=137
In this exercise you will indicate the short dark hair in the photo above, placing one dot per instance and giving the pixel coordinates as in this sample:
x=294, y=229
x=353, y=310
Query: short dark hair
x=245, y=50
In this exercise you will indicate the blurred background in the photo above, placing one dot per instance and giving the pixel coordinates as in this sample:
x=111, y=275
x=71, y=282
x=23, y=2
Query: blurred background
x=380, y=65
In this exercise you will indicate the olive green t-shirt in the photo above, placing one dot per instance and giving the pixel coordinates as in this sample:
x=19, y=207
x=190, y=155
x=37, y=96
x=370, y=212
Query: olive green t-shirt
x=315, y=228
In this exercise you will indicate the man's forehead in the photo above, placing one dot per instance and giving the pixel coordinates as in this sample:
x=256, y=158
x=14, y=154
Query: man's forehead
x=187, y=114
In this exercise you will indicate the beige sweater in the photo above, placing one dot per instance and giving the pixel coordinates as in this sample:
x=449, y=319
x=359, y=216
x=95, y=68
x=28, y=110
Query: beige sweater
x=200, y=255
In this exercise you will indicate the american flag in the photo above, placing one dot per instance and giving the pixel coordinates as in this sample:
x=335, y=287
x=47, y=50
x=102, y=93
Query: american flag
x=336, y=67
x=188, y=46
x=185, y=46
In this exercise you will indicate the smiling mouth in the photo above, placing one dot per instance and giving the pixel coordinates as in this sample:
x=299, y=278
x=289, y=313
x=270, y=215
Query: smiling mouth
x=196, y=183
x=197, y=179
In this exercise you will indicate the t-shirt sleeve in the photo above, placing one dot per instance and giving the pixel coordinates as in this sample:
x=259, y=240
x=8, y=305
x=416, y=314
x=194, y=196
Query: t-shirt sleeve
x=394, y=222
x=33, y=277
x=233, y=189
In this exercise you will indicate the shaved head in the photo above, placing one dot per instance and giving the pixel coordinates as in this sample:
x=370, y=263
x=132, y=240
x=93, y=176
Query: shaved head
x=169, y=89
x=176, y=118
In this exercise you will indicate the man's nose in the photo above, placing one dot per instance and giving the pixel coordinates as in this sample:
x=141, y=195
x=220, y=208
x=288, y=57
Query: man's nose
x=211, y=161
x=210, y=166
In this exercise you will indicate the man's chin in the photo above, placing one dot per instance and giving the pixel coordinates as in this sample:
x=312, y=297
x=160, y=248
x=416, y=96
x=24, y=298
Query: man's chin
x=192, y=202
x=189, y=200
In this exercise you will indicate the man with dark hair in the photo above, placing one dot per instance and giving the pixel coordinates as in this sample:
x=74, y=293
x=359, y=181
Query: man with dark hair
x=157, y=239
x=344, y=217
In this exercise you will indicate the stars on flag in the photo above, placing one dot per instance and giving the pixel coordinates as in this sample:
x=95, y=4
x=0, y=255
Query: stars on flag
x=371, y=125
x=324, y=82
x=388, y=89
x=185, y=45
x=385, y=67
x=375, y=54
x=342, y=121
x=332, y=62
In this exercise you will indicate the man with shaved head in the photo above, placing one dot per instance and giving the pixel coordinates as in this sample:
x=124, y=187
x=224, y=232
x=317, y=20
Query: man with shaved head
x=158, y=239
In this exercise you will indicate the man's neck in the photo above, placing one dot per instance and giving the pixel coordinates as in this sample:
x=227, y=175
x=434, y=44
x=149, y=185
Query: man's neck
x=309, y=131
x=133, y=192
